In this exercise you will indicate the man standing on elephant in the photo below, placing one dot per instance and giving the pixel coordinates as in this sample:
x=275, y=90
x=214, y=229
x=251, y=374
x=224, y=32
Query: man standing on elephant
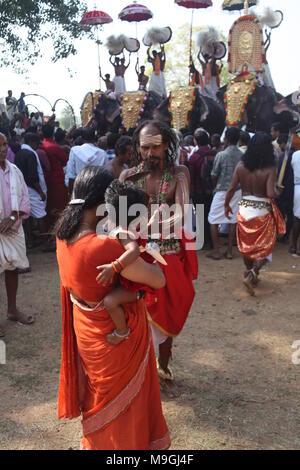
x=157, y=80
x=155, y=149
x=120, y=69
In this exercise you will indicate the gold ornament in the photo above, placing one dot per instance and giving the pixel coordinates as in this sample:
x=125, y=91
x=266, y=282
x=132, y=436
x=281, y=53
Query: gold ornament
x=181, y=103
x=237, y=96
x=88, y=104
x=246, y=44
x=131, y=107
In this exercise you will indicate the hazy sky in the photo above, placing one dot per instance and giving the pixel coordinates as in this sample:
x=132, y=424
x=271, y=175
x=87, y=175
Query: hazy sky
x=74, y=77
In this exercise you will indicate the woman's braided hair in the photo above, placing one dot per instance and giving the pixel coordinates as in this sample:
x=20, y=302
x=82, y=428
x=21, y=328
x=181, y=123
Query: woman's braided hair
x=90, y=186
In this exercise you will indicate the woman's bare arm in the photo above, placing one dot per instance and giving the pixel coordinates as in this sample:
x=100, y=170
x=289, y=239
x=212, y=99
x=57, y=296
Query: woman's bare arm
x=145, y=273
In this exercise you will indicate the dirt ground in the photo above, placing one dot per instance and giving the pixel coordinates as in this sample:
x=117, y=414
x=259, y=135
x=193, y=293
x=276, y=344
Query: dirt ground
x=236, y=386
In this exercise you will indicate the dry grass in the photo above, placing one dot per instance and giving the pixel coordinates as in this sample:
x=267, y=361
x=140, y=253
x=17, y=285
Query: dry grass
x=236, y=387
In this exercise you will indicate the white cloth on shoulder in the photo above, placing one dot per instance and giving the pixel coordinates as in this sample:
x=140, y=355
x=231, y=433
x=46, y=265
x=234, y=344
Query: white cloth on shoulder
x=216, y=214
x=12, y=246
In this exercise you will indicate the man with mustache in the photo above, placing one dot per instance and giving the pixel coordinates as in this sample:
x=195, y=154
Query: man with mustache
x=155, y=151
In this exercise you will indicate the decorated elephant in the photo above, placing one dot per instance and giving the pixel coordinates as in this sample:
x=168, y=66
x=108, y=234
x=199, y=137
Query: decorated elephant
x=111, y=115
x=260, y=110
x=188, y=109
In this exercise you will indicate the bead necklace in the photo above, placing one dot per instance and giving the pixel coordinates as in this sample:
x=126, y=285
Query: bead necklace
x=159, y=198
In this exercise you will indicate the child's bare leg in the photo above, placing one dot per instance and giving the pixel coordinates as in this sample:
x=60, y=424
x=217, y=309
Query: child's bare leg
x=113, y=304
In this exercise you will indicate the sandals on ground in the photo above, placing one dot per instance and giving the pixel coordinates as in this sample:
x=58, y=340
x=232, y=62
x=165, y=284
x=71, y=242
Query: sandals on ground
x=165, y=375
x=22, y=319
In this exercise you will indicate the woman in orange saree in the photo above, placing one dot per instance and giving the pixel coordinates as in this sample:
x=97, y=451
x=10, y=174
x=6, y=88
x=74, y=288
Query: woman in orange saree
x=114, y=388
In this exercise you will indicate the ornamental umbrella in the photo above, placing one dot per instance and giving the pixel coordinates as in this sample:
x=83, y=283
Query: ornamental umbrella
x=193, y=4
x=135, y=12
x=236, y=5
x=98, y=19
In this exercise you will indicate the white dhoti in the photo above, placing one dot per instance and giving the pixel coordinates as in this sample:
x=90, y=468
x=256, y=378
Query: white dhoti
x=158, y=84
x=120, y=86
x=211, y=88
x=250, y=212
x=216, y=214
x=297, y=201
x=158, y=337
x=13, y=251
x=37, y=206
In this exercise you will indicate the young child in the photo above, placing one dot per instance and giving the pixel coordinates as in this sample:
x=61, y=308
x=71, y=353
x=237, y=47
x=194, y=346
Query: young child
x=126, y=291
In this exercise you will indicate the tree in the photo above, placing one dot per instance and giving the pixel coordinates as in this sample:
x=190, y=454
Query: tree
x=177, y=53
x=66, y=118
x=25, y=23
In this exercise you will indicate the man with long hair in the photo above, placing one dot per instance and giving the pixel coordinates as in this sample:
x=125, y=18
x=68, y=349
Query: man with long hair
x=155, y=152
x=259, y=219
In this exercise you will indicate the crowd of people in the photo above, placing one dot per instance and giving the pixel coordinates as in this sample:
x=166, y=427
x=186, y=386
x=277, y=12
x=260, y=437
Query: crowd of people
x=51, y=185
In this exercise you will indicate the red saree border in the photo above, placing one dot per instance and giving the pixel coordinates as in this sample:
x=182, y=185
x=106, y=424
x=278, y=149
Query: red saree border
x=113, y=409
x=161, y=444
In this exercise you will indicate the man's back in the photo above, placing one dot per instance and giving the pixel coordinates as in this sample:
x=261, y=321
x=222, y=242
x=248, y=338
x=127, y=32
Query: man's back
x=197, y=166
x=58, y=159
x=224, y=166
x=26, y=162
x=260, y=182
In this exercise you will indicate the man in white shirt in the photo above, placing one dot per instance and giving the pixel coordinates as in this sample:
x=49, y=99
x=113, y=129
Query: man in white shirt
x=295, y=250
x=84, y=155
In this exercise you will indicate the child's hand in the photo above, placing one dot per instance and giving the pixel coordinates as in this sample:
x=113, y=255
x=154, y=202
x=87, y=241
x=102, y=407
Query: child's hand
x=105, y=277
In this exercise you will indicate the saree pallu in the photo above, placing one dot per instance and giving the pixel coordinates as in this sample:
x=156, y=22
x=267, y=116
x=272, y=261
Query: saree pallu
x=256, y=236
x=170, y=305
x=115, y=388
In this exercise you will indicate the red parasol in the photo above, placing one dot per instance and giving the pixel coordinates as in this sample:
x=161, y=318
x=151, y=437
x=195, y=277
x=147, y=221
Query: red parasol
x=194, y=4
x=135, y=12
x=96, y=18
